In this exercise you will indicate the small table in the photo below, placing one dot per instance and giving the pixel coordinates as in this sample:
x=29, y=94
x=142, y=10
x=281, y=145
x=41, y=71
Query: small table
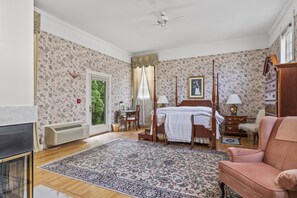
x=231, y=124
x=127, y=114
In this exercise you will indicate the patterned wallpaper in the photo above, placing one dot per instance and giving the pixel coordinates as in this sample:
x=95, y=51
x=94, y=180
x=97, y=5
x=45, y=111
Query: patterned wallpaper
x=239, y=72
x=58, y=91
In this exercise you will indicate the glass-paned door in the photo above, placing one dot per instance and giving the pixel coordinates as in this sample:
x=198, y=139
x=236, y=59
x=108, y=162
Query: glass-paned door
x=98, y=102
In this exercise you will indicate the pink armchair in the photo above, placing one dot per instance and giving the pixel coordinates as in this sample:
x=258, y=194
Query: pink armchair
x=271, y=170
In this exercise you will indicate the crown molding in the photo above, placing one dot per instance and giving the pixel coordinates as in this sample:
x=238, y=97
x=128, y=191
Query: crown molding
x=220, y=47
x=60, y=28
x=283, y=19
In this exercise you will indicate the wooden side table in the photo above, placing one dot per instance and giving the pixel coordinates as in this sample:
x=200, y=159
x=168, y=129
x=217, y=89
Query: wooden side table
x=231, y=124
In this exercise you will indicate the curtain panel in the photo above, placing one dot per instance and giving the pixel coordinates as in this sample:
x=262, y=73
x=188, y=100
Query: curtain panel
x=144, y=65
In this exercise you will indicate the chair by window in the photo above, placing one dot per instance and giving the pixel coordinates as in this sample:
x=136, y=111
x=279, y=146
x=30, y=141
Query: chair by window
x=133, y=118
x=252, y=128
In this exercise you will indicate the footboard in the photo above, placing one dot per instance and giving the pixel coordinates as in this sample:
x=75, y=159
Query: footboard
x=199, y=131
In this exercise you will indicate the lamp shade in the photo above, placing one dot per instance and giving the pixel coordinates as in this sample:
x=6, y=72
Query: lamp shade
x=162, y=100
x=233, y=99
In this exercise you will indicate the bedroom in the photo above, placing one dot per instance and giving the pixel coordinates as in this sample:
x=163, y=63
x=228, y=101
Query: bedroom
x=72, y=40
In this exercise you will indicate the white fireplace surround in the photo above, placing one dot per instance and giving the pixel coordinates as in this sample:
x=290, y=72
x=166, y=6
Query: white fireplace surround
x=12, y=115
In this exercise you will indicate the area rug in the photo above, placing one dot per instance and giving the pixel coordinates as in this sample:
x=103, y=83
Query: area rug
x=146, y=169
x=227, y=140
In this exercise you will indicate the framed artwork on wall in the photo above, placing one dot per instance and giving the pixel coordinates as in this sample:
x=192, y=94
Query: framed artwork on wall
x=196, y=87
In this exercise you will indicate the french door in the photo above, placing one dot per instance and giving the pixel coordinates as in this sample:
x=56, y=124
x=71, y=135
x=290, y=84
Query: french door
x=98, y=102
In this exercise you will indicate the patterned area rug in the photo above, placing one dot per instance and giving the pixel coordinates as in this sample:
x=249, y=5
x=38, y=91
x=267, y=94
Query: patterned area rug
x=146, y=169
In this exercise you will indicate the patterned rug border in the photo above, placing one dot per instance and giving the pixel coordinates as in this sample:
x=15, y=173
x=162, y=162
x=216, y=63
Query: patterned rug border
x=180, y=147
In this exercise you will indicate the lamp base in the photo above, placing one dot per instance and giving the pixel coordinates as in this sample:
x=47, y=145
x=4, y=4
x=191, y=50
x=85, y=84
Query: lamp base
x=162, y=105
x=233, y=110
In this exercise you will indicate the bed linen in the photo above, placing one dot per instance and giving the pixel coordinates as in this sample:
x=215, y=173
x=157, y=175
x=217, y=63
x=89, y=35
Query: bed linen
x=178, y=125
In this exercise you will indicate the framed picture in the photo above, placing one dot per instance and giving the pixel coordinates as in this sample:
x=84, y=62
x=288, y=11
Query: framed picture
x=196, y=87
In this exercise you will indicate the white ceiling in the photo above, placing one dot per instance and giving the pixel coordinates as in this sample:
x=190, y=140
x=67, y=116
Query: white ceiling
x=128, y=24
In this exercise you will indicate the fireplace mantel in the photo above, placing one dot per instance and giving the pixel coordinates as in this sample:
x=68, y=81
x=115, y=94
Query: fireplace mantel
x=12, y=115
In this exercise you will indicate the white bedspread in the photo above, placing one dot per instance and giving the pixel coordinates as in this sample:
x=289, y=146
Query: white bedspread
x=178, y=126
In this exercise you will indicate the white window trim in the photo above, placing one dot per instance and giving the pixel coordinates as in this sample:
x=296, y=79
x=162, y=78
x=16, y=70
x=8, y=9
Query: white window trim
x=283, y=55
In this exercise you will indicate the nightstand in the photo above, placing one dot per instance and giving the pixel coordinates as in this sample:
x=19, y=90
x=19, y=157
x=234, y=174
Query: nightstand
x=231, y=124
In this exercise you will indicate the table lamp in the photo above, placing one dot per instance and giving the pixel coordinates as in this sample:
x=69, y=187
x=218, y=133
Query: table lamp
x=233, y=100
x=162, y=101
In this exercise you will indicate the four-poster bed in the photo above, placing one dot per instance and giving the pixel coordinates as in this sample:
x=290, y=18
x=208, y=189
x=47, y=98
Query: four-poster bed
x=198, y=130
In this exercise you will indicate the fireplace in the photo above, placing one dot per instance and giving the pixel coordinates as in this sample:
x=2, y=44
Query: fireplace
x=16, y=161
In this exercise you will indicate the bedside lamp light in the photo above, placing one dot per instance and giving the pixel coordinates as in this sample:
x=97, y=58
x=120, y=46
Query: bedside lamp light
x=233, y=100
x=163, y=101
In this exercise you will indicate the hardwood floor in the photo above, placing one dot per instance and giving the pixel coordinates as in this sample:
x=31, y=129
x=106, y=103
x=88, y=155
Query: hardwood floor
x=75, y=188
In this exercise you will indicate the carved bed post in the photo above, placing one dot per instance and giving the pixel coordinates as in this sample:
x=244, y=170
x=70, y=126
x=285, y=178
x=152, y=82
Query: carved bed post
x=218, y=95
x=155, y=107
x=213, y=119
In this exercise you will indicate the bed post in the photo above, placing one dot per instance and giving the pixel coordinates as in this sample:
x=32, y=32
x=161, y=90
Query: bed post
x=176, y=91
x=155, y=111
x=213, y=119
x=218, y=95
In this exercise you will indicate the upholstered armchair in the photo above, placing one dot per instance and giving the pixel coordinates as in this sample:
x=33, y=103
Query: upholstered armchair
x=252, y=128
x=271, y=170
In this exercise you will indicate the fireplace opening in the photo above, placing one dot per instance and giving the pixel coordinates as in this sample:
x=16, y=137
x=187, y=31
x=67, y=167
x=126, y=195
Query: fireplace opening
x=16, y=161
x=16, y=176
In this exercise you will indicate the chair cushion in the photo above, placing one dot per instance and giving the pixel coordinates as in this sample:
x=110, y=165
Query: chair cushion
x=255, y=175
x=131, y=118
x=249, y=127
x=287, y=179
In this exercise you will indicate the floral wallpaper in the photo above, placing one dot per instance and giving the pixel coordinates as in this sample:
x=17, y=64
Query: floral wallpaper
x=58, y=91
x=239, y=73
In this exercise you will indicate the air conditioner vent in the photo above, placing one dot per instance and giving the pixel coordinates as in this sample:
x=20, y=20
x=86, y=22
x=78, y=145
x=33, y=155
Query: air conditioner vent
x=68, y=127
x=57, y=134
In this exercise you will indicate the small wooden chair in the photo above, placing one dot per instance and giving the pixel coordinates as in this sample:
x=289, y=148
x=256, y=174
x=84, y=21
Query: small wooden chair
x=134, y=118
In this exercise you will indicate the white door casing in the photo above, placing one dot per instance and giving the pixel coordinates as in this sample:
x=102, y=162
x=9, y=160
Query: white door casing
x=91, y=75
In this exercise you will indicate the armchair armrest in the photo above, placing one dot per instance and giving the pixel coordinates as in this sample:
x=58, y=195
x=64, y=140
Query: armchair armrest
x=287, y=179
x=244, y=155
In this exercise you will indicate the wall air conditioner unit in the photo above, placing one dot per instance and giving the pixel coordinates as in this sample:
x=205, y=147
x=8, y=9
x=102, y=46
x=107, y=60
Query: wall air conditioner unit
x=57, y=134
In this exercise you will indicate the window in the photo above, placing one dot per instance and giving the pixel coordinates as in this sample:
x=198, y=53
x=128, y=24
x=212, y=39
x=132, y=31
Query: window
x=287, y=46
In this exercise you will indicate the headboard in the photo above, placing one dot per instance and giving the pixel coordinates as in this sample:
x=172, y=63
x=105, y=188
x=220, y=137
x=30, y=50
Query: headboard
x=205, y=103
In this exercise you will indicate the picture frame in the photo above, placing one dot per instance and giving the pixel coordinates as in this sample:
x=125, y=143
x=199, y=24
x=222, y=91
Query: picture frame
x=196, y=87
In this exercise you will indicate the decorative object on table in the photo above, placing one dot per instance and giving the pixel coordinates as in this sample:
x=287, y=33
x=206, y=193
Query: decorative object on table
x=196, y=87
x=231, y=125
x=252, y=128
x=162, y=101
x=228, y=140
x=122, y=106
x=233, y=100
x=126, y=158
